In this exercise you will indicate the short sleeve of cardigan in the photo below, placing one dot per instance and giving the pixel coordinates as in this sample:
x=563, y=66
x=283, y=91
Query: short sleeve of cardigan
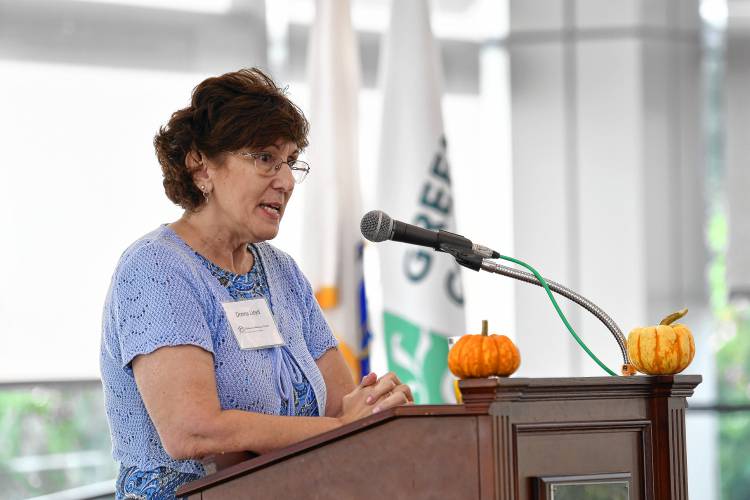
x=156, y=303
x=318, y=335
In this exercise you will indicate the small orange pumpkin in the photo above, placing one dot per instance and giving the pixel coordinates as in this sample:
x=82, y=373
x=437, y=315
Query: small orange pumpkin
x=481, y=356
x=664, y=349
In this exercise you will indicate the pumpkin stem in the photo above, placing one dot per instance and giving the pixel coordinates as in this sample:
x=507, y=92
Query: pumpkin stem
x=674, y=317
x=485, y=327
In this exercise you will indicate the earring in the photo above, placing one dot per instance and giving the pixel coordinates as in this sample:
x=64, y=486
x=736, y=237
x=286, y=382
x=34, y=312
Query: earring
x=205, y=192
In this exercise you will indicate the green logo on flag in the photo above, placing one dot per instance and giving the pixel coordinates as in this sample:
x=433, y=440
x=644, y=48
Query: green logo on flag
x=419, y=358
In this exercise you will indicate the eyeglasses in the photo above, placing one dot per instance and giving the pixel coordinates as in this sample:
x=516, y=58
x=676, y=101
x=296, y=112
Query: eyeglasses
x=269, y=165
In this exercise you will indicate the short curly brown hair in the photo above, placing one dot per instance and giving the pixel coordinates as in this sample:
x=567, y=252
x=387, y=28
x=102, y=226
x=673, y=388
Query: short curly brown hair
x=237, y=110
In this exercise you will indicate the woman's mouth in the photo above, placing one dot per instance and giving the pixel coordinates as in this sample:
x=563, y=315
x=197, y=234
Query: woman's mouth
x=272, y=209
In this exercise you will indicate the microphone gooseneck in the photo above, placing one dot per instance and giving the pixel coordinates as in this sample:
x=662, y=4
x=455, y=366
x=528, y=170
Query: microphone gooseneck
x=569, y=294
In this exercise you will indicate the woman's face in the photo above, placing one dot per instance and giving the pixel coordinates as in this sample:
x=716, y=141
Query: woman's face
x=249, y=203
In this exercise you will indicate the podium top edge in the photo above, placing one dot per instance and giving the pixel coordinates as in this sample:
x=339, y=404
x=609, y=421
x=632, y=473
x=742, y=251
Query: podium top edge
x=579, y=381
x=484, y=391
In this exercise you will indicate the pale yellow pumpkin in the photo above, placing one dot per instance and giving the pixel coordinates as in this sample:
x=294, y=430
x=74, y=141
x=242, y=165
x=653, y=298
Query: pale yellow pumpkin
x=664, y=349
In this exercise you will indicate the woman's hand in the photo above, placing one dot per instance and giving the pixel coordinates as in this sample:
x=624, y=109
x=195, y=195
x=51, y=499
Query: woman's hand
x=389, y=391
x=372, y=395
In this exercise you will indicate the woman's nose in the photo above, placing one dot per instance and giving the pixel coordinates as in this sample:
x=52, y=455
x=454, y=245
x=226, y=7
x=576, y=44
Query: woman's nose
x=284, y=178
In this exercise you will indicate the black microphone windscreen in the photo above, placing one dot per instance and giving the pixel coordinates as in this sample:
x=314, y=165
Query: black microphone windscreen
x=376, y=226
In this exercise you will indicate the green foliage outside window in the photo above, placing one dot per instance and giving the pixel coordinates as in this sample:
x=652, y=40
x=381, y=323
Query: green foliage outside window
x=733, y=366
x=53, y=438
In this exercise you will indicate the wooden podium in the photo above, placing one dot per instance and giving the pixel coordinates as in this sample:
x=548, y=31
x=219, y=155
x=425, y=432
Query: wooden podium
x=513, y=438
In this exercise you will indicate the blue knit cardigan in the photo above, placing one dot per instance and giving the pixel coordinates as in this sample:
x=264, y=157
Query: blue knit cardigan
x=162, y=295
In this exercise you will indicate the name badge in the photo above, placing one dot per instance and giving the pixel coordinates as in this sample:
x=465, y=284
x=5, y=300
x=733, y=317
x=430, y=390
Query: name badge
x=252, y=323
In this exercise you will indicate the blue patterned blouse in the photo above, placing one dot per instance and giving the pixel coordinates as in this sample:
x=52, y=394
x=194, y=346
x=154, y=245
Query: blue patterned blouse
x=251, y=286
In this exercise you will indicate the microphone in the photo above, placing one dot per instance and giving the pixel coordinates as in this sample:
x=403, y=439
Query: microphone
x=377, y=226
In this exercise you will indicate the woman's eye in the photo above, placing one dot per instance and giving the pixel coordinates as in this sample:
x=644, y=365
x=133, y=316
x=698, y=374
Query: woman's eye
x=265, y=157
x=291, y=162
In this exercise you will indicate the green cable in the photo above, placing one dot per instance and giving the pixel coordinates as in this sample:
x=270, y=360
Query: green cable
x=559, y=311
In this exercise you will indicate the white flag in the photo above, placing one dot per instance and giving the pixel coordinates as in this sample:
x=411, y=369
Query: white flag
x=333, y=243
x=422, y=293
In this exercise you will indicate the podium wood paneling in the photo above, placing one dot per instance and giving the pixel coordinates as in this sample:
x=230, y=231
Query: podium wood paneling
x=508, y=432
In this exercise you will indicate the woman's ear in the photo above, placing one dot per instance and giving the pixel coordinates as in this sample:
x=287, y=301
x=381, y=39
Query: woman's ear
x=197, y=167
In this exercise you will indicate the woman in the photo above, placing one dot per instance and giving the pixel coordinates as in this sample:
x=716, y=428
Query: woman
x=212, y=340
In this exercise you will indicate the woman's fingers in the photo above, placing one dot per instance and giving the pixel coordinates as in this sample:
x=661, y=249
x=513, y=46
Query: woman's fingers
x=385, y=384
x=395, y=398
x=383, y=387
x=368, y=379
x=374, y=395
x=391, y=376
x=403, y=389
x=406, y=390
